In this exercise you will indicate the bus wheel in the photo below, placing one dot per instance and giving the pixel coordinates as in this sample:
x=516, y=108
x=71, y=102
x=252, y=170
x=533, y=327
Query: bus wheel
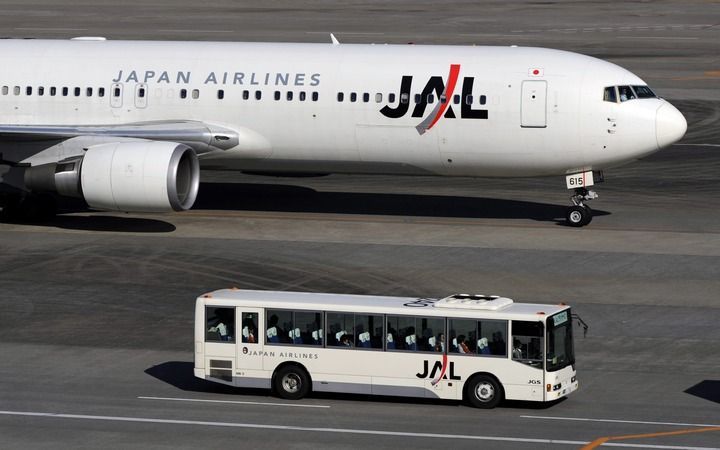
x=484, y=392
x=292, y=382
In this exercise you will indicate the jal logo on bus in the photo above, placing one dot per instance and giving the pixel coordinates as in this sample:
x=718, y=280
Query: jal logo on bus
x=443, y=95
x=437, y=368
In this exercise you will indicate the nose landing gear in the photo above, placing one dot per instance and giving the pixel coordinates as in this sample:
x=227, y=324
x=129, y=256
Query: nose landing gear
x=580, y=214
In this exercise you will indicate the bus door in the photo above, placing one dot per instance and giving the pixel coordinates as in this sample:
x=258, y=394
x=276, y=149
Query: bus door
x=527, y=378
x=249, y=340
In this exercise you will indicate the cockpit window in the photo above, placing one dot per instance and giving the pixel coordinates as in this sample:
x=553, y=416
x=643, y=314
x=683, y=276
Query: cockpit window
x=626, y=93
x=644, y=92
x=610, y=94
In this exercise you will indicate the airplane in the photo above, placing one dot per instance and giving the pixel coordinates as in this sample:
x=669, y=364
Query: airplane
x=127, y=125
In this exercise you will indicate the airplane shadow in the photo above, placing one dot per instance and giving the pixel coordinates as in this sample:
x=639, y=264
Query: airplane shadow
x=287, y=198
x=180, y=375
x=706, y=389
x=103, y=223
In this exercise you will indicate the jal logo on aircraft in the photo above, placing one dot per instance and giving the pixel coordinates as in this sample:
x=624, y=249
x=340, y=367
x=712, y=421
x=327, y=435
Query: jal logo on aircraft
x=443, y=108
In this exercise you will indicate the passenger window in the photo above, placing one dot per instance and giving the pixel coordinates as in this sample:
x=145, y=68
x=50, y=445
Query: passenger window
x=219, y=324
x=183, y=93
x=315, y=96
x=353, y=97
x=258, y=95
x=431, y=99
x=65, y=91
x=301, y=96
x=53, y=91
x=28, y=90
x=279, y=327
x=5, y=90
x=366, y=97
x=391, y=98
x=456, y=99
x=340, y=96
x=246, y=95
x=443, y=99
x=404, y=98
x=308, y=328
x=527, y=342
x=423, y=334
x=289, y=95
x=462, y=335
x=141, y=92
x=41, y=91
x=16, y=90
x=88, y=92
x=418, y=98
x=483, y=99
x=77, y=91
x=220, y=94
x=625, y=93
x=249, y=328
x=116, y=92
x=196, y=93
x=368, y=331
x=340, y=330
x=610, y=95
x=468, y=99
x=378, y=98
x=401, y=333
x=101, y=92
x=277, y=95
x=492, y=337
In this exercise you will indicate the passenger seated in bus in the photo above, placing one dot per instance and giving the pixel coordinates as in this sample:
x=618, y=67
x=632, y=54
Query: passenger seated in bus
x=338, y=337
x=483, y=347
x=498, y=345
x=345, y=341
x=440, y=343
x=364, y=340
x=517, y=349
x=390, y=342
x=411, y=342
x=248, y=334
x=462, y=344
x=317, y=337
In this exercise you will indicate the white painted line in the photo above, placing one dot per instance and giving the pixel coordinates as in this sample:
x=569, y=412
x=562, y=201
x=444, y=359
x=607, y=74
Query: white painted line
x=233, y=402
x=337, y=430
x=49, y=29
x=669, y=38
x=699, y=145
x=639, y=422
x=195, y=31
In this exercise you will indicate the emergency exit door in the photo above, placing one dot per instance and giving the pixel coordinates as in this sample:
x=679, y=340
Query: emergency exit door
x=533, y=106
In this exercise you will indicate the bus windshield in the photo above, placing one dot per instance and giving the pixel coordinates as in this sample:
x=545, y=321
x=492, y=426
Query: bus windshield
x=560, y=350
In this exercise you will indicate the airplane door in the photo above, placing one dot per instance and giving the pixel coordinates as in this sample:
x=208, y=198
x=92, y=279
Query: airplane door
x=533, y=104
x=116, y=95
x=141, y=93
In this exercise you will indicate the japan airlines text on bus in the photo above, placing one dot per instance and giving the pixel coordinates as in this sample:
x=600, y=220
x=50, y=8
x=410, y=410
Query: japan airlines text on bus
x=477, y=348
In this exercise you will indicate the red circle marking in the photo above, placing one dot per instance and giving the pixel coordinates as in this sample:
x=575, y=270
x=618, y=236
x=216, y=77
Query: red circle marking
x=536, y=72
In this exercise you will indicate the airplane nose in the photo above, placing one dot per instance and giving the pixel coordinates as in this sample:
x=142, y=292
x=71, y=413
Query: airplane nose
x=670, y=125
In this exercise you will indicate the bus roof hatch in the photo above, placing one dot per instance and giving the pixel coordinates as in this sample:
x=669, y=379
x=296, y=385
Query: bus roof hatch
x=477, y=301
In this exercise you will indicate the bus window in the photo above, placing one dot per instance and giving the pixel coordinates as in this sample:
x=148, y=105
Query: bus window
x=432, y=333
x=279, y=326
x=249, y=330
x=219, y=324
x=368, y=331
x=340, y=330
x=527, y=342
x=415, y=333
x=560, y=350
x=463, y=336
x=492, y=337
x=308, y=325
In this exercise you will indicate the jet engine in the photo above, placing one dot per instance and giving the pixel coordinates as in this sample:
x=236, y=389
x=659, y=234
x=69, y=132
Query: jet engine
x=137, y=176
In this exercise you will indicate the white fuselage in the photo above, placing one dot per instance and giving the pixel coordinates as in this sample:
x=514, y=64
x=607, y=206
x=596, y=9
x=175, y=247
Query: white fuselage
x=544, y=109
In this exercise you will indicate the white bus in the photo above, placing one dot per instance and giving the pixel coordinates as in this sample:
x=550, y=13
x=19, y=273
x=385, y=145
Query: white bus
x=479, y=348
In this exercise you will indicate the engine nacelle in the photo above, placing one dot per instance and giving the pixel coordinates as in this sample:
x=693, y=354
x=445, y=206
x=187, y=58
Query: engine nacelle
x=142, y=176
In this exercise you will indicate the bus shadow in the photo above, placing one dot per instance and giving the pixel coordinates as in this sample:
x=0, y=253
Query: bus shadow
x=180, y=375
x=287, y=198
x=706, y=389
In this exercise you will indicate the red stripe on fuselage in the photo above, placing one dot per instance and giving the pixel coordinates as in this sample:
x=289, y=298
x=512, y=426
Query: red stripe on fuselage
x=452, y=81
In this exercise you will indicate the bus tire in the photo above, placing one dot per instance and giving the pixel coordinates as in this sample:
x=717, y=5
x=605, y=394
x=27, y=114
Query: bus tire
x=484, y=391
x=291, y=382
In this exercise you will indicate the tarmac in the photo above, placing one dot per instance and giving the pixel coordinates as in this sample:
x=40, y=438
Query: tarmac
x=96, y=311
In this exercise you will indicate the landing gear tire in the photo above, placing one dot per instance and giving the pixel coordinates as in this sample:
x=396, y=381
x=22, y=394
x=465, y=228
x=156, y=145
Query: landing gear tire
x=484, y=392
x=291, y=383
x=578, y=216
